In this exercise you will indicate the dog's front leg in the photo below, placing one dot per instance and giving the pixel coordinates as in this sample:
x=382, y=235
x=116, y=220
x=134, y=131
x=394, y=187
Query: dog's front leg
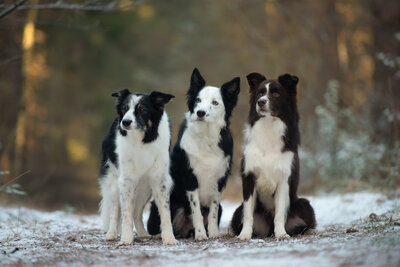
x=127, y=187
x=112, y=232
x=197, y=217
x=249, y=196
x=213, y=231
x=161, y=192
x=281, y=208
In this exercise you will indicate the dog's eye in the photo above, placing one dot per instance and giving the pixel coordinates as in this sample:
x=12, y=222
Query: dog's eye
x=198, y=100
x=275, y=94
x=215, y=103
x=139, y=108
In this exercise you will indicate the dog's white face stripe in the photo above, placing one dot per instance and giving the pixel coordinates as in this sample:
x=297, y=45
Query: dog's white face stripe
x=266, y=99
x=129, y=115
x=210, y=101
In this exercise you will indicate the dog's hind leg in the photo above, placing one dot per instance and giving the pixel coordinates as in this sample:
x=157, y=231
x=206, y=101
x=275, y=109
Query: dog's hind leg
x=154, y=222
x=301, y=217
x=237, y=220
x=142, y=196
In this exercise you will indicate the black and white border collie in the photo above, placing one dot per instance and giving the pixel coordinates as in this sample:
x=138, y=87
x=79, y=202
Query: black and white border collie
x=270, y=165
x=201, y=160
x=135, y=165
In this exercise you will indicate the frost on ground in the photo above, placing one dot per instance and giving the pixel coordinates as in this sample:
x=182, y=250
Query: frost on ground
x=353, y=229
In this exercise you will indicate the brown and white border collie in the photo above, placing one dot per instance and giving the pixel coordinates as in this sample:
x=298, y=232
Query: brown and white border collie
x=270, y=165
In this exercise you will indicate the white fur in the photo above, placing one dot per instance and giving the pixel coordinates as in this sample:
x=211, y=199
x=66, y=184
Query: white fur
x=143, y=171
x=264, y=97
x=129, y=115
x=214, y=113
x=200, y=141
x=110, y=192
x=272, y=167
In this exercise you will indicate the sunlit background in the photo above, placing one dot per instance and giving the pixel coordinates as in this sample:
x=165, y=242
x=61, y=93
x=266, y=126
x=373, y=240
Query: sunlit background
x=59, y=66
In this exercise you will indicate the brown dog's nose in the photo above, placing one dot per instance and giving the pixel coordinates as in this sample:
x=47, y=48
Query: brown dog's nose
x=261, y=102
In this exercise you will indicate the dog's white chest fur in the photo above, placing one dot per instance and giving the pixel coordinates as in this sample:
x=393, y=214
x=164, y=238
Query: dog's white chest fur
x=142, y=158
x=206, y=158
x=264, y=156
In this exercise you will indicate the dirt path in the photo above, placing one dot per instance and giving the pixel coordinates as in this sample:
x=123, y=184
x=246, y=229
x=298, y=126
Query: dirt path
x=36, y=238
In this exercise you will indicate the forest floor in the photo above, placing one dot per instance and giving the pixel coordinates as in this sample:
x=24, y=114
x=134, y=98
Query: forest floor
x=358, y=229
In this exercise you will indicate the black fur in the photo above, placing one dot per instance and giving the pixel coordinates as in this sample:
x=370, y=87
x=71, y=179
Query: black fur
x=300, y=208
x=181, y=171
x=151, y=109
x=108, y=149
x=285, y=108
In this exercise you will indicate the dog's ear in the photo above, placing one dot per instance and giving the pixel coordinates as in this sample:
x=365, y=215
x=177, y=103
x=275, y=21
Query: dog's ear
x=230, y=92
x=121, y=94
x=289, y=82
x=196, y=84
x=254, y=79
x=160, y=99
x=196, y=80
x=231, y=89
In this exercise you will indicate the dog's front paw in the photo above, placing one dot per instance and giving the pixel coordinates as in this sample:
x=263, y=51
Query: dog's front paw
x=126, y=240
x=169, y=241
x=213, y=232
x=282, y=236
x=200, y=236
x=157, y=236
x=244, y=236
x=143, y=235
x=311, y=232
x=111, y=235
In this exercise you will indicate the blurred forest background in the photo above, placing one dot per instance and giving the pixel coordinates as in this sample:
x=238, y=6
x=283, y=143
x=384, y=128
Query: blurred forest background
x=61, y=60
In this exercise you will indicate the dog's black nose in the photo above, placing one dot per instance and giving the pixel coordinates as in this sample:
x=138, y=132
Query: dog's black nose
x=126, y=123
x=261, y=102
x=201, y=113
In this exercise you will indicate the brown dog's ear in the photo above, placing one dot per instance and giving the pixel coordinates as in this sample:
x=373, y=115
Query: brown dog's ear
x=254, y=79
x=289, y=82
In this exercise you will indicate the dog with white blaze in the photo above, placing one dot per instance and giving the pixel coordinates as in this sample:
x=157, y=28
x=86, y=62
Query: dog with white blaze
x=135, y=166
x=201, y=160
x=270, y=164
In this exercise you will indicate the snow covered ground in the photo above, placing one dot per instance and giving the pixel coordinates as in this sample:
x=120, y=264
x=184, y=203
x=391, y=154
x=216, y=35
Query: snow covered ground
x=353, y=229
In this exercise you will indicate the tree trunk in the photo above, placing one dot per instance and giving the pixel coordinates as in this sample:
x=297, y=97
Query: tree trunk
x=25, y=118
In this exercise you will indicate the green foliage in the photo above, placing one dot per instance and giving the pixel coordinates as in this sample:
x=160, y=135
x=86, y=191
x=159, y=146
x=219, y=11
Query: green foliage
x=13, y=189
x=68, y=208
x=345, y=155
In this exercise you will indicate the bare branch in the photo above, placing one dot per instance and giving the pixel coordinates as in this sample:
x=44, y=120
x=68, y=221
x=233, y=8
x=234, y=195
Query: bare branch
x=86, y=6
x=10, y=8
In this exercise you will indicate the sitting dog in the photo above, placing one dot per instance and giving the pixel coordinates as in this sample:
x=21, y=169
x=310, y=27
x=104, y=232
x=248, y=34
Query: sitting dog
x=270, y=165
x=201, y=160
x=135, y=165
